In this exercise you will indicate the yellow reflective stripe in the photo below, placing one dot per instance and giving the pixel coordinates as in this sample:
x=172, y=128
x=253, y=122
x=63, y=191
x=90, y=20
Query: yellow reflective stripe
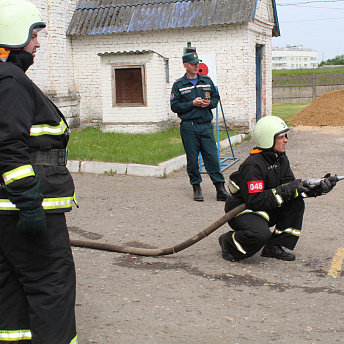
x=279, y=199
x=18, y=173
x=11, y=336
x=291, y=231
x=58, y=203
x=238, y=246
x=48, y=203
x=260, y=213
x=233, y=188
x=75, y=201
x=74, y=340
x=304, y=195
x=6, y=204
x=46, y=129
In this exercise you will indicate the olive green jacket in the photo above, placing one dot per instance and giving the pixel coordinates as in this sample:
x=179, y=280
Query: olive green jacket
x=184, y=92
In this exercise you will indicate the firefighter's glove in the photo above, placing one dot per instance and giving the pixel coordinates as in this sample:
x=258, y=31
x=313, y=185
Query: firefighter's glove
x=328, y=183
x=290, y=190
x=32, y=218
x=31, y=221
x=325, y=187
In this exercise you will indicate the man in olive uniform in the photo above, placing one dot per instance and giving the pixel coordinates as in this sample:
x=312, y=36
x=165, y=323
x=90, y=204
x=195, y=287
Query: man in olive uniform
x=193, y=97
x=37, y=273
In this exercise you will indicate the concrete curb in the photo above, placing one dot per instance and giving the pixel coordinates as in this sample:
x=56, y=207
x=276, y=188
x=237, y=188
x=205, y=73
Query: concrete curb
x=161, y=170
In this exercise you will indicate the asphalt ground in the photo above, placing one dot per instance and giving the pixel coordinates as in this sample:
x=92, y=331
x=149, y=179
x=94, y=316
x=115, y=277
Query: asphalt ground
x=195, y=296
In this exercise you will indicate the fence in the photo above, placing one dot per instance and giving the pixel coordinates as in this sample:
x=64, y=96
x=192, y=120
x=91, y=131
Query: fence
x=304, y=88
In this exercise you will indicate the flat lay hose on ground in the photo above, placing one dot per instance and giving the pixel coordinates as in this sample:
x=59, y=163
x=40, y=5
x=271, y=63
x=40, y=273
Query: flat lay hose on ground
x=310, y=183
x=161, y=251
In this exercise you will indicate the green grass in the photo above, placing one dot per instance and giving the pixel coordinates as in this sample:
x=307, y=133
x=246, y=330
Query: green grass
x=93, y=144
x=292, y=72
x=285, y=111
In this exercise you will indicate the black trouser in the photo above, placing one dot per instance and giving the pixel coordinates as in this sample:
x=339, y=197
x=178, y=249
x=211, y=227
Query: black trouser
x=37, y=284
x=252, y=232
x=198, y=138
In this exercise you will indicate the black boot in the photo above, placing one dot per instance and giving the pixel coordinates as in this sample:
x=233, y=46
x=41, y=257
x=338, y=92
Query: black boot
x=276, y=251
x=225, y=252
x=221, y=193
x=197, y=193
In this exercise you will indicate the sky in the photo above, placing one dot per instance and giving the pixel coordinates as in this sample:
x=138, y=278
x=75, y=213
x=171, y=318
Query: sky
x=314, y=24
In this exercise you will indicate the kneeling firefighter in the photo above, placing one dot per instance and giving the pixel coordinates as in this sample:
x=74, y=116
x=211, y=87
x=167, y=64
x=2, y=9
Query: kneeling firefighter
x=37, y=273
x=266, y=184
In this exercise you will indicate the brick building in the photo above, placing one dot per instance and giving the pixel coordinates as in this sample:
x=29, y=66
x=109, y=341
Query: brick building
x=113, y=62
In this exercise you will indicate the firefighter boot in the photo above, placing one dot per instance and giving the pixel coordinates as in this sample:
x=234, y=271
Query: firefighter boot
x=197, y=196
x=276, y=251
x=225, y=252
x=221, y=193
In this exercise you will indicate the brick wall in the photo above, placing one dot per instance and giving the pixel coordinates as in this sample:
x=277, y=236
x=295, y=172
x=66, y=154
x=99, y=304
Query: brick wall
x=53, y=68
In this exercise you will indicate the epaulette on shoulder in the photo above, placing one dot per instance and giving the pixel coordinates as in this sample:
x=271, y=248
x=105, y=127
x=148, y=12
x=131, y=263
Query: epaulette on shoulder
x=206, y=76
x=178, y=79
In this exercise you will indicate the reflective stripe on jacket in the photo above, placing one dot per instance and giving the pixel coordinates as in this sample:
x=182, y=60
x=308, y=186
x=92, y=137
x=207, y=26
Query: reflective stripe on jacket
x=65, y=203
x=14, y=336
x=30, y=122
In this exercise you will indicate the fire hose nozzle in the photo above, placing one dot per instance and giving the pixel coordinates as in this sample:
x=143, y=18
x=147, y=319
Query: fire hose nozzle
x=314, y=182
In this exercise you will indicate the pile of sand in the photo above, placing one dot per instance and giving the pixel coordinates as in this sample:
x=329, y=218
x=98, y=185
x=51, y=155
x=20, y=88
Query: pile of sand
x=327, y=110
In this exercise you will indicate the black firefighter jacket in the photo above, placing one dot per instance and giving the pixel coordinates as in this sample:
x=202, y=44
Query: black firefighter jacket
x=255, y=182
x=29, y=122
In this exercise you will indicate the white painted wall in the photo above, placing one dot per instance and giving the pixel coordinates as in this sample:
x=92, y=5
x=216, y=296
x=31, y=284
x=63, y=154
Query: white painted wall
x=147, y=118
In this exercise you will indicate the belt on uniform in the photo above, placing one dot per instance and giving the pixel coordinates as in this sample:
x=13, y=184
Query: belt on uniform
x=51, y=157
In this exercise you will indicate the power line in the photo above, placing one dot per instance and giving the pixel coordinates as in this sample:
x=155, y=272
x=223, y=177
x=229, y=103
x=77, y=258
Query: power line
x=310, y=2
x=327, y=8
x=304, y=20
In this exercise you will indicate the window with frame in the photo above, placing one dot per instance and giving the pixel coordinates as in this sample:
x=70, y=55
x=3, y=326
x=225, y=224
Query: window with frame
x=128, y=87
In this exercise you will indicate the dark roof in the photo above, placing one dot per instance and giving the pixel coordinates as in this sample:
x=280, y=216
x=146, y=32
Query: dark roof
x=95, y=17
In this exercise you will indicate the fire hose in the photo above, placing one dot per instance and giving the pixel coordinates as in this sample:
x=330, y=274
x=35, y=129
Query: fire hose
x=161, y=251
x=309, y=183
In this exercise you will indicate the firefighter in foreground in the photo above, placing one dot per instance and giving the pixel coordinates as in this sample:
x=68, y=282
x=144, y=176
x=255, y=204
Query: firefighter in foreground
x=266, y=184
x=37, y=273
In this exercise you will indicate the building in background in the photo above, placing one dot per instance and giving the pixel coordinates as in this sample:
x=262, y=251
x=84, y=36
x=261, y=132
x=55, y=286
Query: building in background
x=112, y=63
x=294, y=57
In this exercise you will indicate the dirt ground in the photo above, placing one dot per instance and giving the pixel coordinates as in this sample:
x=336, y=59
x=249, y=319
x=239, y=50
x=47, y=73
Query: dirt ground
x=195, y=296
x=327, y=110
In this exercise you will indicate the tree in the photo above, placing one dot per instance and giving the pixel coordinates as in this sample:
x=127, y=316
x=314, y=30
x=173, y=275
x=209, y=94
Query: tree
x=338, y=60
